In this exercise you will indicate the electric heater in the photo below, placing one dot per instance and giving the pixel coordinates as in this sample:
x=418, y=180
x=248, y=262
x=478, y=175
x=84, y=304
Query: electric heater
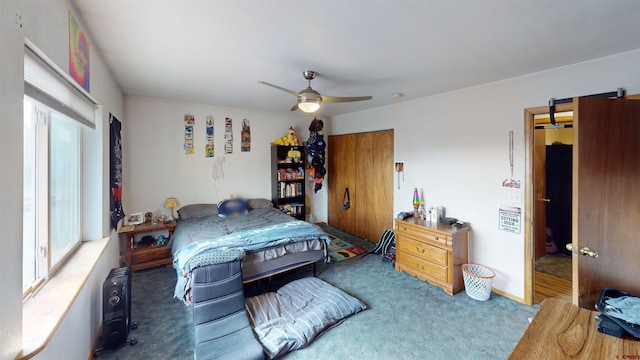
x=116, y=307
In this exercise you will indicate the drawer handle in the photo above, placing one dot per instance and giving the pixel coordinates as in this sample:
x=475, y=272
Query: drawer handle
x=421, y=251
x=421, y=267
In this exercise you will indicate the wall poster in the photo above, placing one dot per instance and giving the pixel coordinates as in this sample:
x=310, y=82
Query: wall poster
x=78, y=54
x=189, y=121
x=115, y=149
x=245, y=144
x=208, y=149
x=228, y=136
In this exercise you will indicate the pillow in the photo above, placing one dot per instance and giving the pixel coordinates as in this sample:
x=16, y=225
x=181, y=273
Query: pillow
x=232, y=207
x=197, y=211
x=259, y=203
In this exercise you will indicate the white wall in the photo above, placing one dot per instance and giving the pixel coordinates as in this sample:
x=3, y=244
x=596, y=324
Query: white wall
x=455, y=146
x=45, y=22
x=155, y=166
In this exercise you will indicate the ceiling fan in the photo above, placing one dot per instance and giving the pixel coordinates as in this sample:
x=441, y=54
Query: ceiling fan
x=309, y=100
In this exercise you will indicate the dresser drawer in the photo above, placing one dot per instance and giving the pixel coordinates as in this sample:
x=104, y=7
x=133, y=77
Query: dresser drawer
x=423, y=234
x=428, y=268
x=149, y=254
x=422, y=250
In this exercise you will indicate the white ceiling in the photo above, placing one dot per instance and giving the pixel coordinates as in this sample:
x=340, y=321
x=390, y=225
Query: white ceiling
x=215, y=52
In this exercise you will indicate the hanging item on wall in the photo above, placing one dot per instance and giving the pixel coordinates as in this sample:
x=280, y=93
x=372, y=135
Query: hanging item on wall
x=78, y=54
x=245, y=144
x=228, y=136
x=218, y=172
x=189, y=121
x=115, y=149
x=511, y=182
x=208, y=148
x=400, y=170
x=316, y=153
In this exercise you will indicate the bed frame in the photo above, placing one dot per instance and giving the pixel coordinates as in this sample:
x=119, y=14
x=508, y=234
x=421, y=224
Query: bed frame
x=258, y=270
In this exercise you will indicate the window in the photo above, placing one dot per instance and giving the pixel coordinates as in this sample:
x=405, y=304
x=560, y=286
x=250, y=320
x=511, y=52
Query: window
x=55, y=116
x=51, y=210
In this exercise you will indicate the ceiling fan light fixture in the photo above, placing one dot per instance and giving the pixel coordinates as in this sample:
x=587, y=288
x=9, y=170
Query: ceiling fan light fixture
x=309, y=105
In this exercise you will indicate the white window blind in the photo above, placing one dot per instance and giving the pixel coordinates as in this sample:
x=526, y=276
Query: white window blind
x=45, y=82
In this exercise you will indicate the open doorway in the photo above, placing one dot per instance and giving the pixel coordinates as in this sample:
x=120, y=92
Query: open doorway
x=605, y=171
x=552, y=182
x=548, y=273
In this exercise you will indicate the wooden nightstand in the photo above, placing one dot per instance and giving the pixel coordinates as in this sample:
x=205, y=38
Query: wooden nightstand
x=146, y=256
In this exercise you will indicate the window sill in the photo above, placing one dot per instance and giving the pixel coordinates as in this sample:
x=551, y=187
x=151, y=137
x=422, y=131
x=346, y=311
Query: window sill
x=45, y=310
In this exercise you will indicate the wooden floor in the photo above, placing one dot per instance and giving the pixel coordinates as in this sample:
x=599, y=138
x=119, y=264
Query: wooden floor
x=548, y=286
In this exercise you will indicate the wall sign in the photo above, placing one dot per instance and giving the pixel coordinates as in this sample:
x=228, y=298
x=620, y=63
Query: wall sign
x=509, y=219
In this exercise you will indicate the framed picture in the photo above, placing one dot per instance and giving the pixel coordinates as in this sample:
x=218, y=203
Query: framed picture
x=134, y=219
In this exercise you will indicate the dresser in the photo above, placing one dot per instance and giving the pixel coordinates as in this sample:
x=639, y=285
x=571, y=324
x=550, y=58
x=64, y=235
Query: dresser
x=432, y=252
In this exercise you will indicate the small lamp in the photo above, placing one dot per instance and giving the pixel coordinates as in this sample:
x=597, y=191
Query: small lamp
x=171, y=203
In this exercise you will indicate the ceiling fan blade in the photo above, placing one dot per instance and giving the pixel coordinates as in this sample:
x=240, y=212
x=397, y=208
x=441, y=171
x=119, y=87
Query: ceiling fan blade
x=336, y=99
x=280, y=88
x=294, y=107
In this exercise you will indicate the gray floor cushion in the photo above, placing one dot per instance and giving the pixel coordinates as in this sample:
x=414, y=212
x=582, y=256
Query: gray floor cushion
x=297, y=313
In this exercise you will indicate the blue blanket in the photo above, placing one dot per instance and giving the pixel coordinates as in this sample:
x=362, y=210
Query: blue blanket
x=249, y=240
x=219, y=240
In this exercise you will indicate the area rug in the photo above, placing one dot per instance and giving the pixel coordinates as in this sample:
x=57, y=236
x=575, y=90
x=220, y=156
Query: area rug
x=341, y=250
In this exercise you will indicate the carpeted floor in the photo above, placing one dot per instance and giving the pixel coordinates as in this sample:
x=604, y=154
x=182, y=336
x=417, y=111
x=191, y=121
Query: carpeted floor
x=406, y=318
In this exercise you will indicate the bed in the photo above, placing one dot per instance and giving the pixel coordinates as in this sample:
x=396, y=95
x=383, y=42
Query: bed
x=264, y=239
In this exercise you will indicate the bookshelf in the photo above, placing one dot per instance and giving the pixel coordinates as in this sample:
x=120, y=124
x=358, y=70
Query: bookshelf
x=288, y=179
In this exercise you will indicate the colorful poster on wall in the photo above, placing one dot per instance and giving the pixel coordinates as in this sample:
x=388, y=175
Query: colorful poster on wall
x=78, y=54
x=245, y=144
x=228, y=136
x=208, y=148
x=115, y=143
x=189, y=122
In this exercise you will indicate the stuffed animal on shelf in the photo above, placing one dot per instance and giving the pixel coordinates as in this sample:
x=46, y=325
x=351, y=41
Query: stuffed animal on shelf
x=289, y=138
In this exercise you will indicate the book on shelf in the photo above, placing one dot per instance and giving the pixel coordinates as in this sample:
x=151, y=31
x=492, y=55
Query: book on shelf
x=292, y=209
x=287, y=190
x=291, y=174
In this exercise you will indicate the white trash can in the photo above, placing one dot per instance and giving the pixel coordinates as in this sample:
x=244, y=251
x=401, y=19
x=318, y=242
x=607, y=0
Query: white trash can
x=477, y=281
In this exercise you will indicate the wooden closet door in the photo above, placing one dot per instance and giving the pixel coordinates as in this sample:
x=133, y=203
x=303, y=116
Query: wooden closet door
x=374, y=183
x=341, y=174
